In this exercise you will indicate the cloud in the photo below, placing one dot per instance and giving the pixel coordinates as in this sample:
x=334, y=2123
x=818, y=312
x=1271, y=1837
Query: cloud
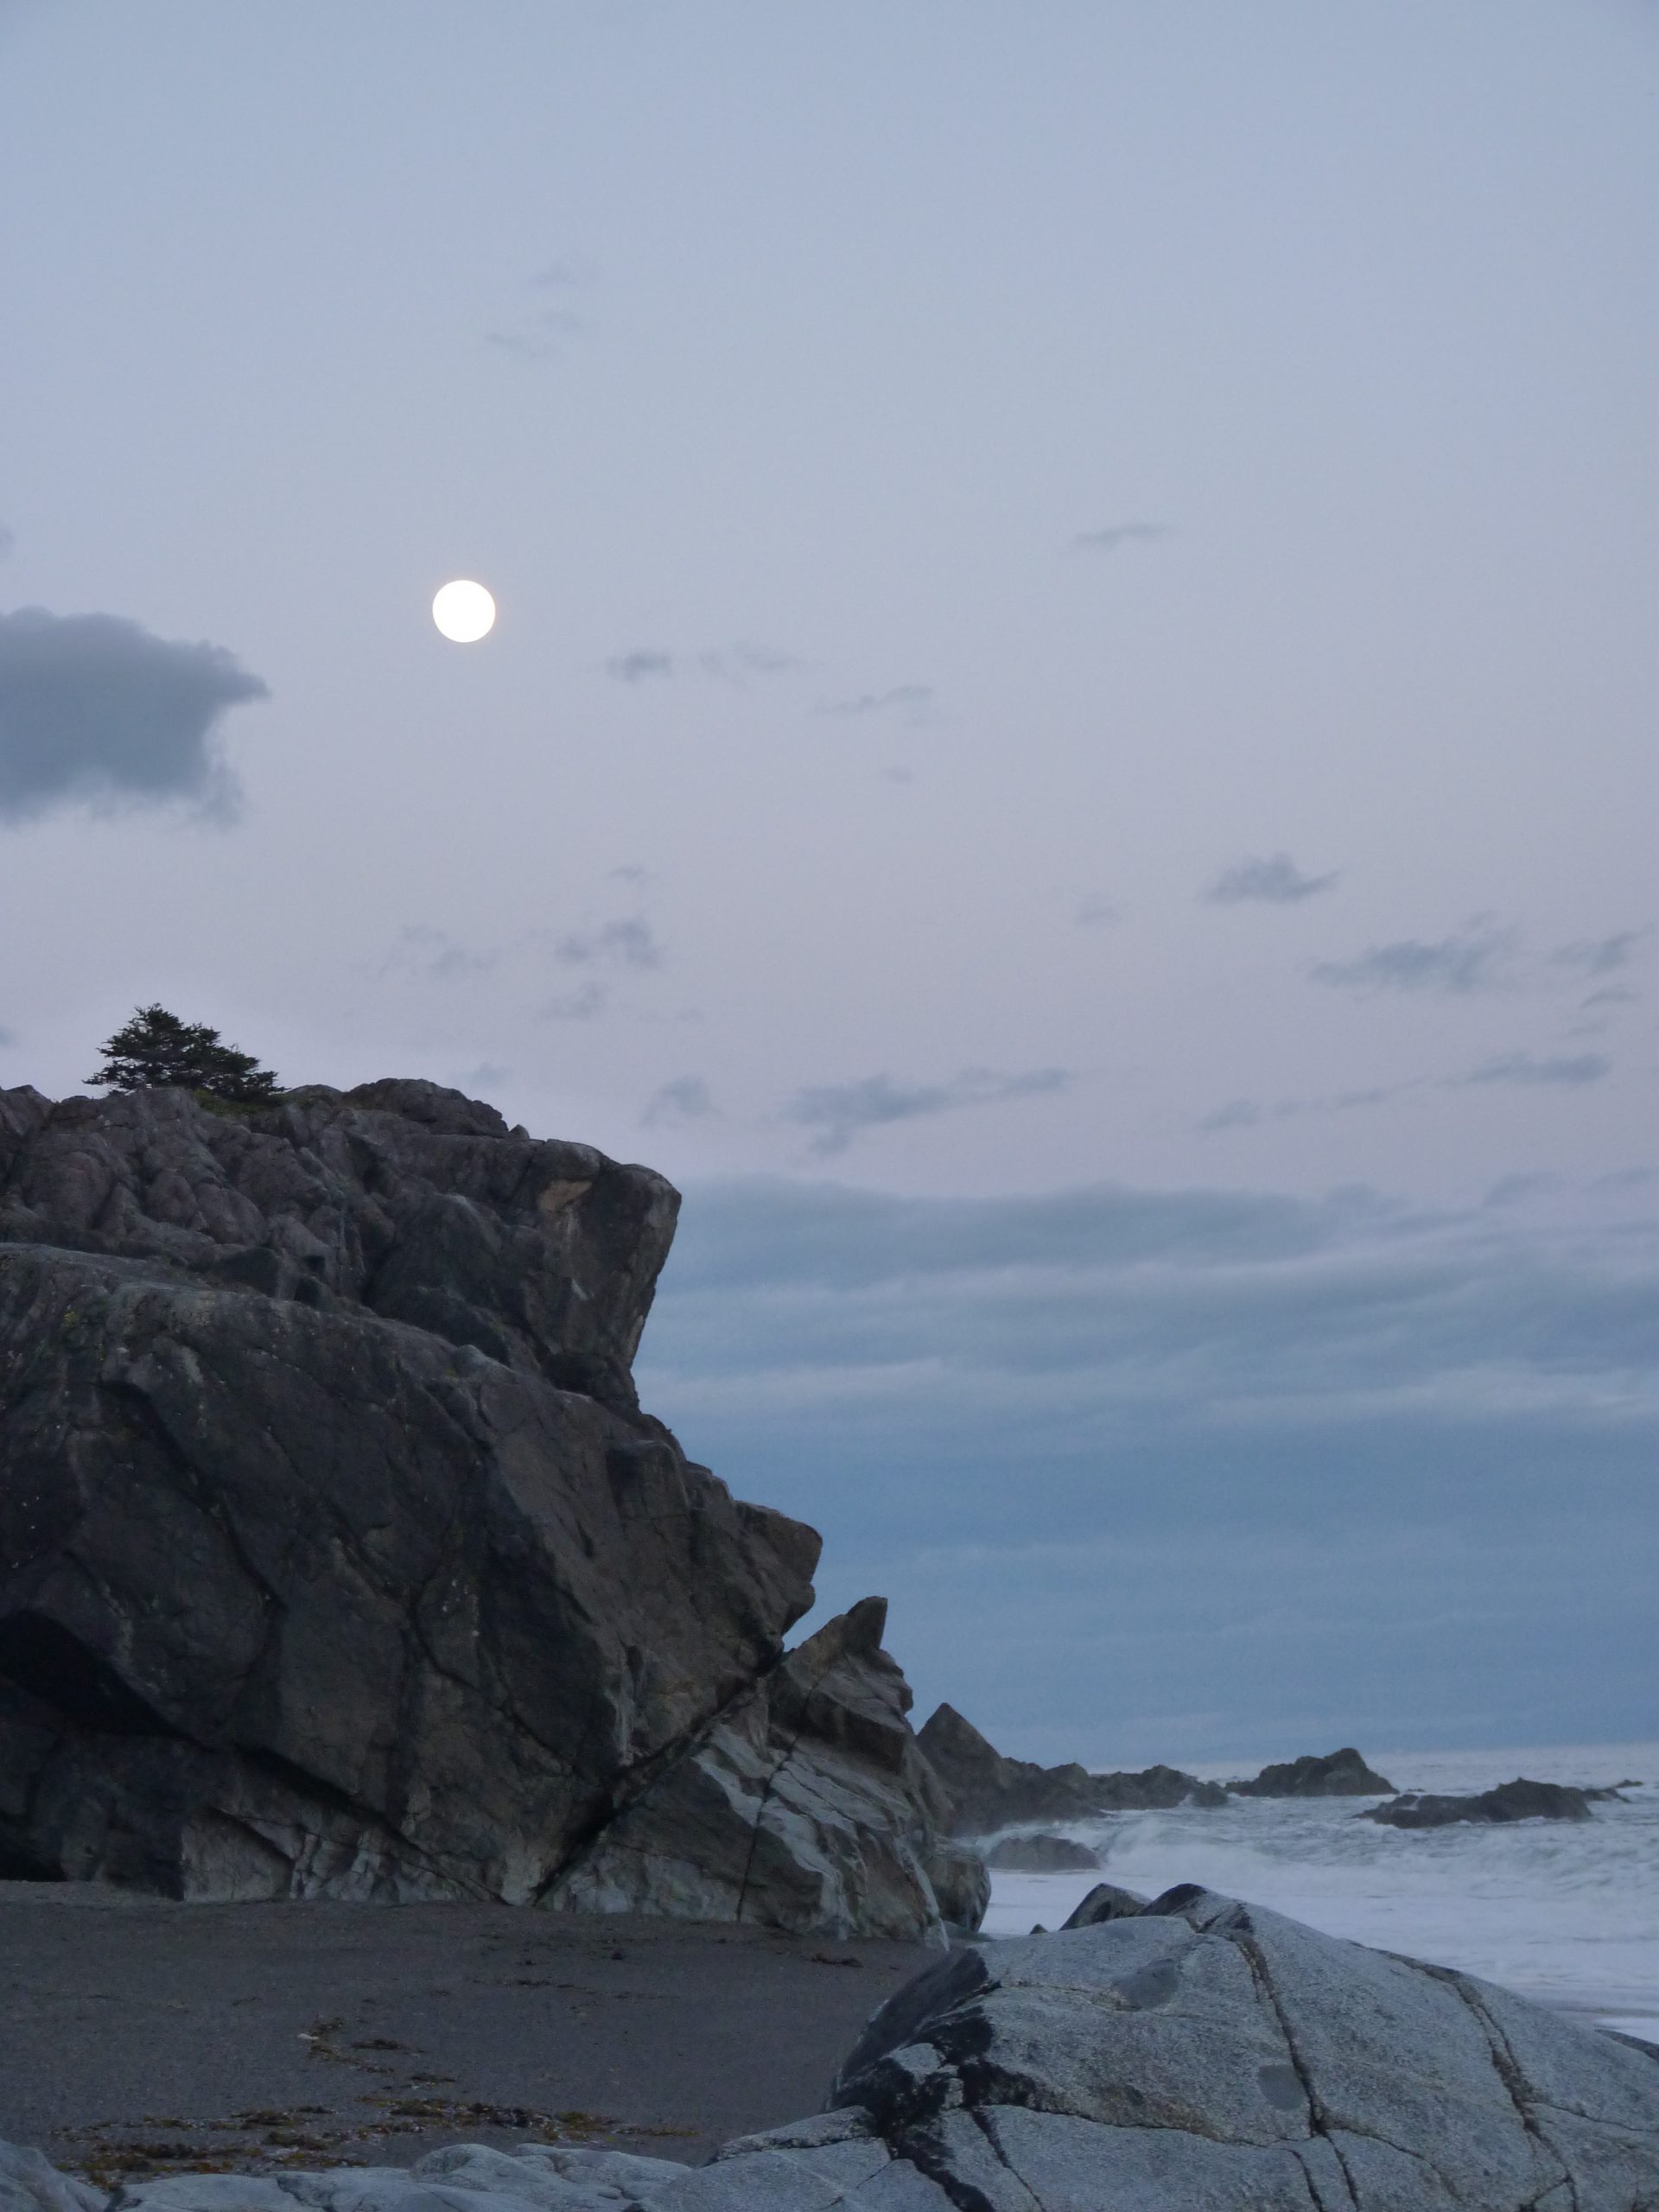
x=643, y=662
x=1097, y=1433
x=1597, y=955
x=7, y=1041
x=545, y=329
x=1098, y=914
x=839, y=1112
x=1115, y=534
x=629, y=941
x=739, y=663
x=8, y=539
x=686, y=1099
x=1276, y=880
x=485, y=1077
x=912, y=700
x=1522, y=1068
x=434, y=953
x=1236, y=1114
x=581, y=1005
x=96, y=712
x=1457, y=964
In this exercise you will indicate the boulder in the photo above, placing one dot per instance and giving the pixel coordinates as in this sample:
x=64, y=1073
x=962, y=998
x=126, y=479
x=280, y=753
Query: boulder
x=337, y=1559
x=1199, y=2056
x=1041, y=1854
x=989, y=1792
x=1337, y=1773
x=1519, y=1800
x=1105, y=1902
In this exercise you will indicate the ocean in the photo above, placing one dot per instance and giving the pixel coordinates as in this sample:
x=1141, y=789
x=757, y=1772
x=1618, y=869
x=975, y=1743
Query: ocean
x=1564, y=1911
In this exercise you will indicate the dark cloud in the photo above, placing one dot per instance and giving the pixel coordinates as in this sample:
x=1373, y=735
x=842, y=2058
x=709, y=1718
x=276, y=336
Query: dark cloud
x=1276, y=880
x=1572, y=1068
x=643, y=662
x=686, y=1099
x=95, y=711
x=1597, y=955
x=839, y=1112
x=1128, y=1421
x=1115, y=534
x=912, y=700
x=629, y=941
x=1473, y=961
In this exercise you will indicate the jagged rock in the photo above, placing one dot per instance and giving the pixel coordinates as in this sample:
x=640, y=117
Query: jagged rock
x=1337, y=1773
x=1519, y=1800
x=1201, y=2055
x=336, y=1558
x=1041, y=1854
x=1105, y=1902
x=989, y=1792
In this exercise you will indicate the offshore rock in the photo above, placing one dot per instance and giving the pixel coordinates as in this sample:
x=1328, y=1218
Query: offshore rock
x=1337, y=1773
x=1041, y=1855
x=987, y=1791
x=1519, y=1800
x=1202, y=2056
x=336, y=1558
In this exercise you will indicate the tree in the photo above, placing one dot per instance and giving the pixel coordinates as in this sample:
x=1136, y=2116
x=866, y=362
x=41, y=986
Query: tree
x=157, y=1052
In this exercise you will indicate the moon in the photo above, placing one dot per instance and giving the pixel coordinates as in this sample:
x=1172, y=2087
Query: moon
x=464, y=612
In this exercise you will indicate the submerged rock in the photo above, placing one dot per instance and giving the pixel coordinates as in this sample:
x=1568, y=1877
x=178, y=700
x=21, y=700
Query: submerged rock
x=1519, y=1800
x=1200, y=2056
x=1337, y=1773
x=1041, y=1854
x=337, y=1559
x=989, y=1792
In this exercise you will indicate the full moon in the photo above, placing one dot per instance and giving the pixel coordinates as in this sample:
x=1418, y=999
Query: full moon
x=464, y=612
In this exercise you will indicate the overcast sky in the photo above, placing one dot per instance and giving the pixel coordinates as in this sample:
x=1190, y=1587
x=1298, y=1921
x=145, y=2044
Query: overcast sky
x=1069, y=748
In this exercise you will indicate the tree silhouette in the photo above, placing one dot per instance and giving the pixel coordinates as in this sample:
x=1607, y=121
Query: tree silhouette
x=157, y=1052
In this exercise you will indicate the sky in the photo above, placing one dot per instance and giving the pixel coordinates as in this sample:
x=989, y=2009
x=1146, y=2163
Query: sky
x=1068, y=748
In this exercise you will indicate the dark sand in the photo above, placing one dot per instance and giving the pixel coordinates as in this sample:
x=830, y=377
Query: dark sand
x=145, y=2036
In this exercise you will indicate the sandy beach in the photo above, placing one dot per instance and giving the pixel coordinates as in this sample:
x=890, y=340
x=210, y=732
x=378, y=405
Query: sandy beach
x=143, y=2035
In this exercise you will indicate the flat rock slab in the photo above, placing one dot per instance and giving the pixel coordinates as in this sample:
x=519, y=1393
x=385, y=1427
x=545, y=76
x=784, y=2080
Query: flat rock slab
x=370, y=2030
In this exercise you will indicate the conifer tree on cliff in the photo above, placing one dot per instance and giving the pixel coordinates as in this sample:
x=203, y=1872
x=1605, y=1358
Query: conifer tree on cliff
x=156, y=1050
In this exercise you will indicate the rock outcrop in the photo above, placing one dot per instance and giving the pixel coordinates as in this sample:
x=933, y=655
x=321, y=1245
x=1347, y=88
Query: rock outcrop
x=989, y=1792
x=337, y=1559
x=1199, y=2056
x=1041, y=1855
x=1337, y=1773
x=1519, y=1800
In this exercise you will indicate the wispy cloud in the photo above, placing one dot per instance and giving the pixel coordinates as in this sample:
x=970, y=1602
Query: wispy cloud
x=839, y=1112
x=1571, y=1068
x=1114, y=534
x=1474, y=961
x=422, y=950
x=686, y=1099
x=545, y=326
x=1276, y=880
x=913, y=701
x=742, y=664
x=582, y=1004
x=630, y=941
x=96, y=712
x=638, y=665
x=1597, y=955
x=1098, y=914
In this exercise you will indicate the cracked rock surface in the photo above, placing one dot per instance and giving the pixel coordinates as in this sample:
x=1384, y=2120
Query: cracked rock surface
x=337, y=1559
x=1202, y=2056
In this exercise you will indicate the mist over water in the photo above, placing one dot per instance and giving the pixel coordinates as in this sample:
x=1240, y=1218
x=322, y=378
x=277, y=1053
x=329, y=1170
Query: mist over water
x=1564, y=1911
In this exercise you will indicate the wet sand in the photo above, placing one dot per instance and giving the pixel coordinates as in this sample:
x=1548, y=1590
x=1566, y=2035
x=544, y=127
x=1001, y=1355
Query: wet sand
x=143, y=2036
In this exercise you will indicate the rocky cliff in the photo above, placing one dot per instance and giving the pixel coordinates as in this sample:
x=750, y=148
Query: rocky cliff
x=337, y=1559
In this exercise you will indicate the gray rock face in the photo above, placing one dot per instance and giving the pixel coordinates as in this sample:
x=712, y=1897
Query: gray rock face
x=990, y=1792
x=1041, y=1854
x=1519, y=1800
x=1337, y=1773
x=336, y=1560
x=1200, y=2056
x=1106, y=1901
